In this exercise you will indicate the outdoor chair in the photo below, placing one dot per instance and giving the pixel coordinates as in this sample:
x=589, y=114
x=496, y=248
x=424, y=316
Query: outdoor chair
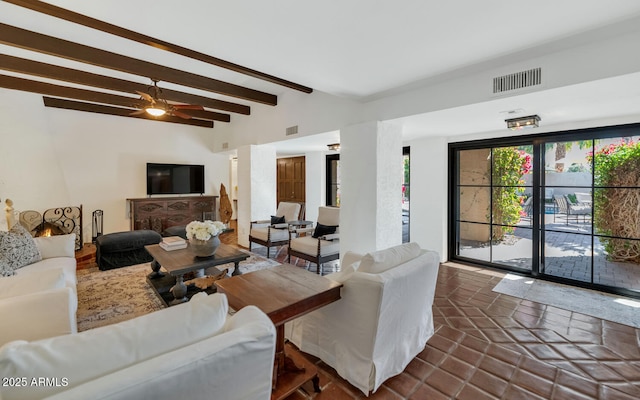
x=272, y=232
x=318, y=244
x=564, y=206
x=527, y=210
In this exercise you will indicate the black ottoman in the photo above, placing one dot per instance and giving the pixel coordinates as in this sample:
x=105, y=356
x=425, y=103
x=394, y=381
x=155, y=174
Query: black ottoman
x=180, y=230
x=120, y=249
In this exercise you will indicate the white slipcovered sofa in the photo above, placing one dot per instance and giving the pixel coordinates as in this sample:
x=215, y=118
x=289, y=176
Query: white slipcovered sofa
x=193, y=350
x=383, y=319
x=40, y=300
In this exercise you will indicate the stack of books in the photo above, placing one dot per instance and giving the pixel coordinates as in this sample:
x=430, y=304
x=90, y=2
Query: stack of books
x=173, y=243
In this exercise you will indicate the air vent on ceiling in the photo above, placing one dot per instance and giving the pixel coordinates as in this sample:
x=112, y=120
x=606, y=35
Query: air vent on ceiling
x=225, y=145
x=292, y=130
x=517, y=80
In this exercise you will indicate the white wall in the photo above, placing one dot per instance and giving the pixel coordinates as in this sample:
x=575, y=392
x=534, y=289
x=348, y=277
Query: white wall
x=429, y=194
x=371, y=182
x=256, y=187
x=53, y=158
x=315, y=179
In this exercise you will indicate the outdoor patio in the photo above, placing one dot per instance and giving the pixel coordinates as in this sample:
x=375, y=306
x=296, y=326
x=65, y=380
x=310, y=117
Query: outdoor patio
x=567, y=253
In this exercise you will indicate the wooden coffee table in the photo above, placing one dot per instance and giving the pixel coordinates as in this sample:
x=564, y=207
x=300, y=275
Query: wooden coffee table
x=283, y=293
x=179, y=262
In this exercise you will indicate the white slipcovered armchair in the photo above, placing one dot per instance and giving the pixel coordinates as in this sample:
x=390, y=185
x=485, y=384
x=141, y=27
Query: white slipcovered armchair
x=319, y=244
x=269, y=234
x=382, y=321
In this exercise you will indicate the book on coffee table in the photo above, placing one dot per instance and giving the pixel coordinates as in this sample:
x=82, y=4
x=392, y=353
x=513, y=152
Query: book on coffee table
x=173, y=243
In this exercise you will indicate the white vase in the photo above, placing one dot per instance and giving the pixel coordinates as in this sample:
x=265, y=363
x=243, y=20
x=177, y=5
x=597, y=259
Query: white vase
x=204, y=248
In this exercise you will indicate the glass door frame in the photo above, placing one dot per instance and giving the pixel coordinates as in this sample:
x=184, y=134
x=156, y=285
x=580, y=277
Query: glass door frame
x=538, y=181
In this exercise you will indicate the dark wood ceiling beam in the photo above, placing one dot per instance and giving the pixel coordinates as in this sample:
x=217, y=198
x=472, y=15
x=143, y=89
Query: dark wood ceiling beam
x=84, y=20
x=121, y=112
x=26, y=85
x=33, y=41
x=22, y=65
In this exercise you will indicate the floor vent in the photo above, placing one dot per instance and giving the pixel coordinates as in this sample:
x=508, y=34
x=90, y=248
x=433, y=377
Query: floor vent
x=292, y=130
x=518, y=80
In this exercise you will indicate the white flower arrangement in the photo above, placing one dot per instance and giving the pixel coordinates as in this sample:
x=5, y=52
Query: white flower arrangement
x=204, y=230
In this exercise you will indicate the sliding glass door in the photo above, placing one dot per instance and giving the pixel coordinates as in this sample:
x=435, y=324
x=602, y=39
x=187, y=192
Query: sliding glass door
x=493, y=220
x=563, y=206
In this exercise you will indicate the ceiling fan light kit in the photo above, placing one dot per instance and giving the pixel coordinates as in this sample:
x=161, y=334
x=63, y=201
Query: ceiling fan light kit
x=154, y=111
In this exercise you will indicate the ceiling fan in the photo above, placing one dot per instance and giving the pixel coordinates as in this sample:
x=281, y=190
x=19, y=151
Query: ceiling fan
x=157, y=106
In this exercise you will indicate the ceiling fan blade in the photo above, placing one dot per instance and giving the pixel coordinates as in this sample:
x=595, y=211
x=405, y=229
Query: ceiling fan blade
x=146, y=96
x=187, y=107
x=139, y=112
x=180, y=114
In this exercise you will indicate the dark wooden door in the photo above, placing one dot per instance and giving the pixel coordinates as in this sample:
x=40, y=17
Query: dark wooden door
x=291, y=179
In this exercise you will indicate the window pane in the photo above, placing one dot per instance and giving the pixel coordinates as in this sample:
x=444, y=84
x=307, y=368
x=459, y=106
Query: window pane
x=515, y=249
x=617, y=212
x=510, y=166
x=611, y=267
x=474, y=241
x=568, y=255
x=475, y=167
x=508, y=205
x=474, y=204
x=617, y=162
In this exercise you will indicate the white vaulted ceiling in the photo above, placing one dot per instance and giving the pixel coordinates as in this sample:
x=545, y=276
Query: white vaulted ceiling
x=360, y=49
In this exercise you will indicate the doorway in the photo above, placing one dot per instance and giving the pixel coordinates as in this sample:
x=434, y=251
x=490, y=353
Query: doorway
x=563, y=206
x=291, y=179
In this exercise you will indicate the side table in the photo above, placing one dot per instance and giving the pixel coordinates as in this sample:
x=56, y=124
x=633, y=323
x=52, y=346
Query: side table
x=283, y=293
x=86, y=256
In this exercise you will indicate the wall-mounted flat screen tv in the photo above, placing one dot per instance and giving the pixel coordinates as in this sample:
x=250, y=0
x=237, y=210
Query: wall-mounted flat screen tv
x=174, y=179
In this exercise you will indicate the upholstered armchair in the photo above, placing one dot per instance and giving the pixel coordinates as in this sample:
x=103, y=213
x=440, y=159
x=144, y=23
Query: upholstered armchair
x=382, y=321
x=318, y=244
x=275, y=233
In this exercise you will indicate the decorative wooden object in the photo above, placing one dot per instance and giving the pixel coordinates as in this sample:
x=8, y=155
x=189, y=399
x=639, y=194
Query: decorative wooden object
x=160, y=213
x=225, y=205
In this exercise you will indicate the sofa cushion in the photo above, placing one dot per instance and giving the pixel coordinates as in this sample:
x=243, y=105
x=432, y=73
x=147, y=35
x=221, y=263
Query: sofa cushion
x=104, y=350
x=56, y=246
x=382, y=260
x=178, y=230
x=309, y=245
x=277, y=235
x=22, y=284
x=17, y=249
x=277, y=220
x=66, y=264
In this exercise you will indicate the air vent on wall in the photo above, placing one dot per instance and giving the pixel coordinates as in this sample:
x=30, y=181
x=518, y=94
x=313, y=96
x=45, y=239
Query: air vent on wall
x=517, y=80
x=292, y=130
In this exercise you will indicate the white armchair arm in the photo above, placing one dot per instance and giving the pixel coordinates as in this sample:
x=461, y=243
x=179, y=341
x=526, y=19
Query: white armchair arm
x=303, y=230
x=331, y=236
x=38, y=315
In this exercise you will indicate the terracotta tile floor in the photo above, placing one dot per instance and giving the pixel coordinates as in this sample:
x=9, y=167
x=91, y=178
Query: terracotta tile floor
x=493, y=346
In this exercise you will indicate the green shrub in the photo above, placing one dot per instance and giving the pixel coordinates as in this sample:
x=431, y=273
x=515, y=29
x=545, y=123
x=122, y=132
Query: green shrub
x=617, y=211
x=509, y=165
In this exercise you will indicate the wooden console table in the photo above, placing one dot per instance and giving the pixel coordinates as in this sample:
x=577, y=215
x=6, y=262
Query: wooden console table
x=160, y=213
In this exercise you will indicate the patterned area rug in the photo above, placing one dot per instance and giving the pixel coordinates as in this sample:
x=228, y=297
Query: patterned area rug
x=108, y=297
